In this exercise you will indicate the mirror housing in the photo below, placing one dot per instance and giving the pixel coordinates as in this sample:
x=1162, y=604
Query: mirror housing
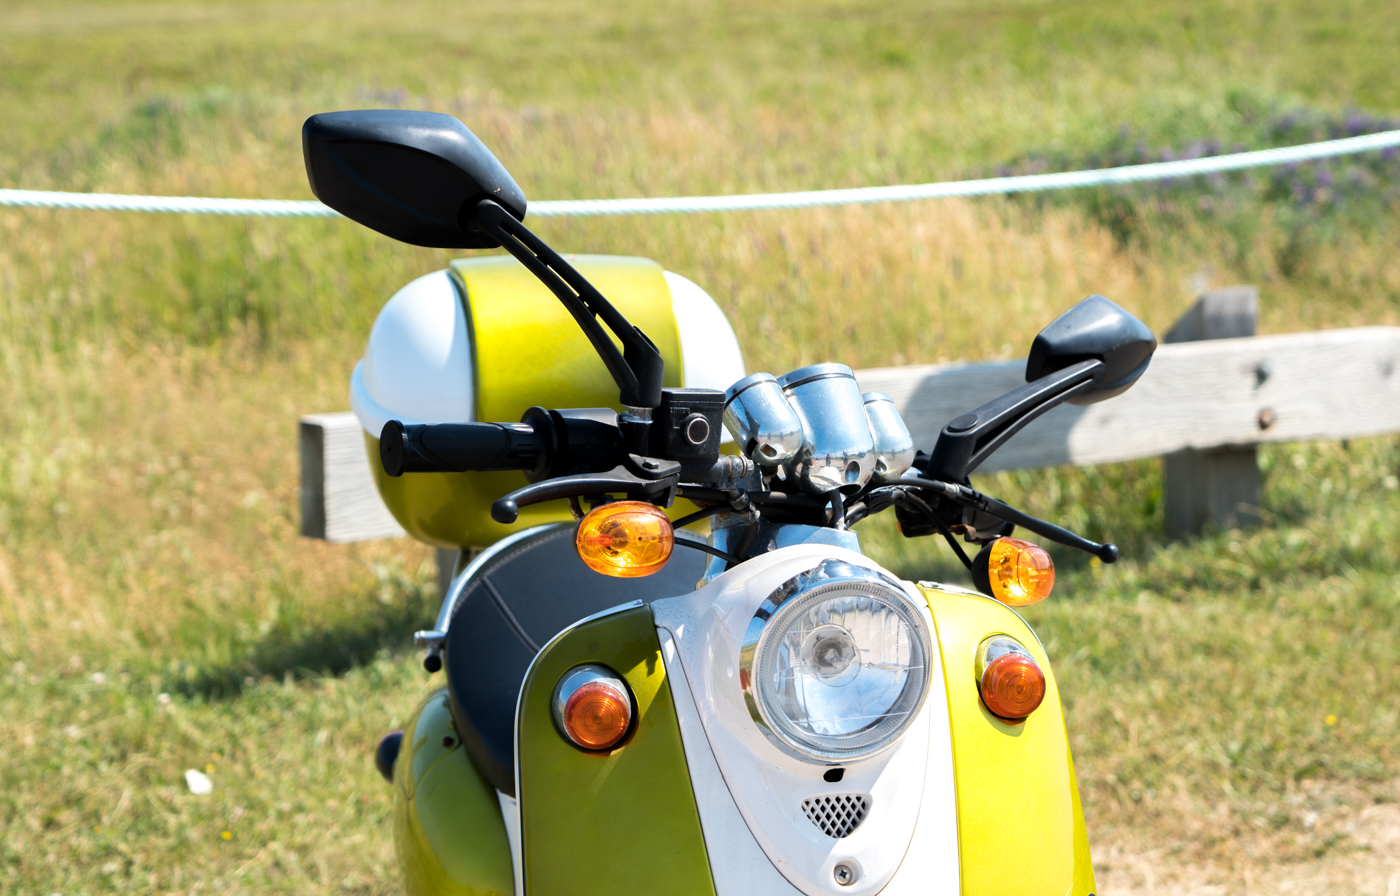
x=423, y=178
x=412, y=176
x=1096, y=329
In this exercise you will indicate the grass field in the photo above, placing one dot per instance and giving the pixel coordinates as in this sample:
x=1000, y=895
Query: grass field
x=1232, y=699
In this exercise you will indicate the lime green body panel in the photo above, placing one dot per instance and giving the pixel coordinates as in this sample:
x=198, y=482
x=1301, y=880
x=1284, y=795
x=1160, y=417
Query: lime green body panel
x=1020, y=825
x=448, y=831
x=527, y=351
x=622, y=823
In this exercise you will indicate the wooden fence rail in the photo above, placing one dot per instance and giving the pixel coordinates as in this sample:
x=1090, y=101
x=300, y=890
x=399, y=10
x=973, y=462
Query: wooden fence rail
x=1218, y=396
x=1332, y=384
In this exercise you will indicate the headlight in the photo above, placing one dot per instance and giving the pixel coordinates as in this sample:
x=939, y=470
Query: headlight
x=835, y=664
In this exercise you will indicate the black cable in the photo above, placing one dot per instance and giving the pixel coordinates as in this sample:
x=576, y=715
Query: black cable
x=874, y=502
x=878, y=500
x=938, y=485
x=747, y=539
x=790, y=498
x=922, y=507
x=838, y=511
x=952, y=542
x=709, y=549
x=703, y=493
x=919, y=503
x=695, y=517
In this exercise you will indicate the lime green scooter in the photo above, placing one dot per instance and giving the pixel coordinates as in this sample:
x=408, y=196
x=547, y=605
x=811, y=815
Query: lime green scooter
x=631, y=707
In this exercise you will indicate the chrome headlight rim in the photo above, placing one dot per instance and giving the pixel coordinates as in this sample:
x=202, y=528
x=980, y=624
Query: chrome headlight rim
x=829, y=580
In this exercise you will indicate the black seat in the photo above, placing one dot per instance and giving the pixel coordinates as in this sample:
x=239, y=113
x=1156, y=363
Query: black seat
x=514, y=604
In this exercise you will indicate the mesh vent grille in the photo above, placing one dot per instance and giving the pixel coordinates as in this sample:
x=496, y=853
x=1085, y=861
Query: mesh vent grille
x=837, y=815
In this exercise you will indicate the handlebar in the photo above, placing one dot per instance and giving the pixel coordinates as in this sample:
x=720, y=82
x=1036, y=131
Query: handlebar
x=459, y=447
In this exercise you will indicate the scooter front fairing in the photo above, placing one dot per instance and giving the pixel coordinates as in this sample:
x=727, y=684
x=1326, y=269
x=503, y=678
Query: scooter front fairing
x=676, y=805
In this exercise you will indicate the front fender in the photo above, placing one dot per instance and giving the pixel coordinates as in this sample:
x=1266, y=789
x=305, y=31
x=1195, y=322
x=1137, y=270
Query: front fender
x=448, y=831
x=1020, y=825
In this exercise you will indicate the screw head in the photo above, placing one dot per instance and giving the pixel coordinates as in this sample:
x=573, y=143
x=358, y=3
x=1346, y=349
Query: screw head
x=845, y=873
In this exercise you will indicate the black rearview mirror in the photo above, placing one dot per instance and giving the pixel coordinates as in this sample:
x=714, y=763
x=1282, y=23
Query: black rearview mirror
x=409, y=175
x=1093, y=351
x=1094, y=329
x=423, y=178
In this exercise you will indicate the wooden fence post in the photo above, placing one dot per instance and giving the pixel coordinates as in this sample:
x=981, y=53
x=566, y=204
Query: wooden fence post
x=1215, y=486
x=338, y=499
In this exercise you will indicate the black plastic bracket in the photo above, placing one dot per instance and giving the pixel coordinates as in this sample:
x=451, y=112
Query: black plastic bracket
x=967, y=497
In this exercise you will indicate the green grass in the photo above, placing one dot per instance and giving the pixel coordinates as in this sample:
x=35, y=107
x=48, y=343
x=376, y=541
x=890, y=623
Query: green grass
x=151, y=369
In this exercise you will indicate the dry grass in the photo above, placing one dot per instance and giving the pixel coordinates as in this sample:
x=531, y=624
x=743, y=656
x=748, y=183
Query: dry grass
x=151, y=369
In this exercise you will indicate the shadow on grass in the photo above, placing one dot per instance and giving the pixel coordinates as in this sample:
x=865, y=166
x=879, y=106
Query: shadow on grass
x=362, y=630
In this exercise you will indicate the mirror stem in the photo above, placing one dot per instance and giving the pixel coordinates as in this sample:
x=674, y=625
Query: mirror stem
x=639, y=367
x=970, y=439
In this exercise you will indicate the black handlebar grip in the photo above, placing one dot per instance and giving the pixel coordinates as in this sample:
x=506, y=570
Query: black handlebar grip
x=458, y=447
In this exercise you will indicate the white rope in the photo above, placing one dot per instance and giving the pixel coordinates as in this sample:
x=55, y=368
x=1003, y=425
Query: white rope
x=1029, y=183
x=192, y=205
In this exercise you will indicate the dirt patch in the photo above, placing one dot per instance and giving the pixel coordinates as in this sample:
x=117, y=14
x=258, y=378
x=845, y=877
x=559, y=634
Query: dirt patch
x=1334, y=842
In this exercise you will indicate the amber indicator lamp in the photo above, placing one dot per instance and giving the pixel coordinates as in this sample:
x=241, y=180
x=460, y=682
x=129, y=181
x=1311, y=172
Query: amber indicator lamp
x=1015, y=572
x=626, y=539
x=1011, y=683
x=592, y=707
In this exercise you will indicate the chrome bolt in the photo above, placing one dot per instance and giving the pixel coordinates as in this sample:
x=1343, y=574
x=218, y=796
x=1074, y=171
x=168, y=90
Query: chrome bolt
x=845, y=873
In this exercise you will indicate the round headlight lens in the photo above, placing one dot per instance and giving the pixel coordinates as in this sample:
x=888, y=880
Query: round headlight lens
x=840, y=670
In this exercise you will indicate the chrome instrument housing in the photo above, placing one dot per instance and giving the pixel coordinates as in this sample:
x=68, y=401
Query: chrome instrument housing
x=838, y=451
x=894, y=446
x=763, y=424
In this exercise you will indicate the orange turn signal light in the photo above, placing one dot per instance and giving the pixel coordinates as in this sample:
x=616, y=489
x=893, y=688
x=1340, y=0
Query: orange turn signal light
x=1015, y=572
x=626, y=539
x=1012, y=684
x=592, y=707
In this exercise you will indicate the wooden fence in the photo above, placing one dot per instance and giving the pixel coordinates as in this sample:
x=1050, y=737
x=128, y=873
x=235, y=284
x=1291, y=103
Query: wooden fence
x=1204, y=403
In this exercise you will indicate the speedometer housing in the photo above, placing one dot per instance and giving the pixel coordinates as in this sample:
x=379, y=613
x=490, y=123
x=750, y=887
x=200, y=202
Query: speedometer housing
x=835, y=664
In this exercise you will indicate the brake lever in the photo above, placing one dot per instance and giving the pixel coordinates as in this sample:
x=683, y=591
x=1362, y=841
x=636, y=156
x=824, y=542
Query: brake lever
x=970, y=497
x=619, y=479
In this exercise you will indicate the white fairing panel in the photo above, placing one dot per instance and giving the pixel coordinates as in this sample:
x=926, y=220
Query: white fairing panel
x=418, y=364
x=510, y=815
x=736, y=860
x=909, y=785
x=710, y=356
